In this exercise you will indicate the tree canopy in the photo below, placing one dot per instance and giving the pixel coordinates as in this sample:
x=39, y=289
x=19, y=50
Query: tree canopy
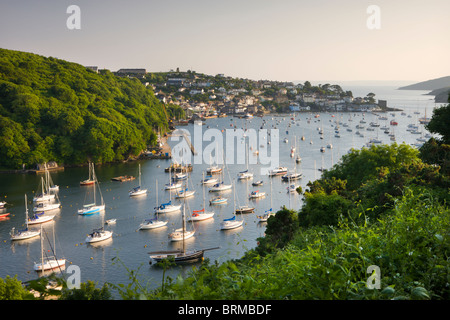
x=54, y=110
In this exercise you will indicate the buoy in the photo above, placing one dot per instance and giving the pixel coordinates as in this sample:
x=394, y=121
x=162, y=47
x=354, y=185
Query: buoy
x=92, y=258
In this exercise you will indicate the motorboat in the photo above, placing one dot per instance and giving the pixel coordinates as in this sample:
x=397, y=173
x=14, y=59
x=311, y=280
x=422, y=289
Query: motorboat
x=278, y=171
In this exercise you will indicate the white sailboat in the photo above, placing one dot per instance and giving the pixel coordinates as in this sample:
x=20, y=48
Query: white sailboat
x=26, y=233
x=152, y=223
x=179, y=256
x=245, y=208
x=257, y=194
x=232, y=223
x=244, y=175
x=92, y=208
x=165, y=207
x=172, y=185
x=138, y=191
x=45, y=195
x=269, y=212
x=209, y=180
x=182, y=233
x=51, y=262
x=186, y=193
x=50, y=188
x=200, y=215
x=89, y=181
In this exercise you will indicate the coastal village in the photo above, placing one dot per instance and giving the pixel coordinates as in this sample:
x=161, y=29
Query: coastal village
x=203, y=96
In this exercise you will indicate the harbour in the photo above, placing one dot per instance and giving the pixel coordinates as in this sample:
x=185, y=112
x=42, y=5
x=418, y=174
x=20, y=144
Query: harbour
x=108, y=261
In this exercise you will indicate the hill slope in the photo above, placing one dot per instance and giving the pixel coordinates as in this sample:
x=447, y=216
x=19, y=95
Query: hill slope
x=51, y=109
x=432, y=84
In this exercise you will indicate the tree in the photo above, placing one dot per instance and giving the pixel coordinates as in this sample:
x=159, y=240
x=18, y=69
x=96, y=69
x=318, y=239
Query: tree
x=12, y=289
x=321, y=209
x=440, y=121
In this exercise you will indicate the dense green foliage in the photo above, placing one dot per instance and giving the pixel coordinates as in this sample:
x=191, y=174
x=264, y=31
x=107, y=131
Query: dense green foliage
x=394, y=215
x=437, y=151
x=397, y=220
x=12, y=289
x=54, y=110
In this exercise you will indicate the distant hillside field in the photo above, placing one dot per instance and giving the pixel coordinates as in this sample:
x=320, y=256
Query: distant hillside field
x=54, y=110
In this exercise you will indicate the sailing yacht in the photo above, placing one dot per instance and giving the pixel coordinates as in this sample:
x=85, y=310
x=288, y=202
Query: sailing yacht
x=186, y=193
x=37, y=219
x=49, y=263
x=26, y=233
x=92, y=208
x=213, y=170
x=44, y=206
x=165, y=207
x=138, y=191
x=182, y=234
x=221, y=186
x=244, y=175
x=152, y=223
x=172, y=185
x=232, y=223
x=45, y=195
x=268, y=213
x=245, y=208
x=218, y=200
x=199, y=215
x=209, y=180
x=90, y=180
x=257, y=194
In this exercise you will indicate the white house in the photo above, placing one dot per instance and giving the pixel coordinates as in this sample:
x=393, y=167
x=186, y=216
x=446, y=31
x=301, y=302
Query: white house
x=196, y=91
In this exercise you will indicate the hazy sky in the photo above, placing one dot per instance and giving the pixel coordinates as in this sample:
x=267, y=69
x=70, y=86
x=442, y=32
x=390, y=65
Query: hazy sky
x=283, y=40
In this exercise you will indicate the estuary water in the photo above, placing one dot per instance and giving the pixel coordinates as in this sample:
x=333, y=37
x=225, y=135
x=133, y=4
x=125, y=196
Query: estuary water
x=109, y=261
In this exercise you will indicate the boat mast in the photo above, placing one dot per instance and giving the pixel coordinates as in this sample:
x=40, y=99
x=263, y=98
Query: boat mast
x=139, y=174
x=203, y=186
x=42, y=251
x=157, y=193
x=184, y=224
x=26, y=212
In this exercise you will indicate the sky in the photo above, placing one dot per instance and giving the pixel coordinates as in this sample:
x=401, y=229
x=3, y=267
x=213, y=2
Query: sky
x=284, y=40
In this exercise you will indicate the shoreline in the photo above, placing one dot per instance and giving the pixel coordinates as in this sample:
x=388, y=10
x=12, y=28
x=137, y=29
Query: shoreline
x=166, y=152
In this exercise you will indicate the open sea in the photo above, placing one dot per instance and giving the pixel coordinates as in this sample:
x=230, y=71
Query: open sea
x=111, y=260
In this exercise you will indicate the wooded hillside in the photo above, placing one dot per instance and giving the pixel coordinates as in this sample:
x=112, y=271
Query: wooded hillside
x=54, y=110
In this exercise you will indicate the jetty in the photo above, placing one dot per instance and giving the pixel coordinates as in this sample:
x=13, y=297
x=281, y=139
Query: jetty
x=123, y=178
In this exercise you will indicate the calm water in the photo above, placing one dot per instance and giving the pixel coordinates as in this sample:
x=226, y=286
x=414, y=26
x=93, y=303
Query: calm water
x=131, y=245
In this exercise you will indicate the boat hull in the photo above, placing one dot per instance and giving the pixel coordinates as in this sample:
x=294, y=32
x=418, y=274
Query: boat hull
x=101, y=236
x=138, y=193
x=188, y=257
x=50, y=265
x=25, y=235
x=91, y=210
x=152, y=225
x=168, y=209
x=201, y=216
x=226, y=225
x=178, y=235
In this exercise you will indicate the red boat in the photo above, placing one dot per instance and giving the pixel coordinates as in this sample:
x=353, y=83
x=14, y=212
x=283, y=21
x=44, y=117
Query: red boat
x=4, y=215
x=394, y=123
